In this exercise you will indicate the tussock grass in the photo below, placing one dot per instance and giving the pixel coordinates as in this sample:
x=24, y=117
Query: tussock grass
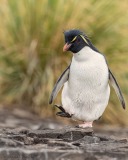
x=31, y=40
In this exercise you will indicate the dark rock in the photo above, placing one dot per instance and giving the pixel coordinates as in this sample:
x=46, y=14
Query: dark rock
x=87, y=140
x=66, y=133
x=38, y=139
x=72, y=134
x=61, y=144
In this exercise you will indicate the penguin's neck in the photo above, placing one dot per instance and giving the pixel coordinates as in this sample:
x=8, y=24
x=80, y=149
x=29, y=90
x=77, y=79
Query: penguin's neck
x=85, y=54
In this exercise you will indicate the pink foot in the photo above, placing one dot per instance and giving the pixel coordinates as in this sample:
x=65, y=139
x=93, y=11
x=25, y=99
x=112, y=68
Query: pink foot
x=85, y=125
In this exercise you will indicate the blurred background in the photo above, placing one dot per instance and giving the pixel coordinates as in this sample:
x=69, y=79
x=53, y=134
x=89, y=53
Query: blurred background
x=31, y=42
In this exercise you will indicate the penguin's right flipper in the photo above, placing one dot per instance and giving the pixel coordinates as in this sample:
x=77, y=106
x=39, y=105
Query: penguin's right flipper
x=60, y=82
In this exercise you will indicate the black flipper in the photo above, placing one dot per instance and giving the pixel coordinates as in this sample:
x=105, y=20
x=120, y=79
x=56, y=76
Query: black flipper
x=60, y=82
x=117, y=89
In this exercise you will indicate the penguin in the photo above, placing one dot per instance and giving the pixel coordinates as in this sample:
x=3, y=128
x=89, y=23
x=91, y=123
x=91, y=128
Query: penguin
x=85, y=81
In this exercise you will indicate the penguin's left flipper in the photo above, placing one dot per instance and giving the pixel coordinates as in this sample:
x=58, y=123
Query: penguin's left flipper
x=60, y=82
x=117, y=89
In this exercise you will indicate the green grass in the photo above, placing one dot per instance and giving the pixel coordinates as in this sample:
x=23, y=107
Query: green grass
x=31, y=41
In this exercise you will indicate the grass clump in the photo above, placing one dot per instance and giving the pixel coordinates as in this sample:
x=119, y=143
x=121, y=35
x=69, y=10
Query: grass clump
x=31, y=41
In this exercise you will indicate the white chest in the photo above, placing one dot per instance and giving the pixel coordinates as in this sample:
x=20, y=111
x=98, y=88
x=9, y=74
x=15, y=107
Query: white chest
x=88, y=69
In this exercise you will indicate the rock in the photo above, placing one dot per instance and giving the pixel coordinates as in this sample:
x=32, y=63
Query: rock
x=61, y=144
x=68, y=134
x=24, y=136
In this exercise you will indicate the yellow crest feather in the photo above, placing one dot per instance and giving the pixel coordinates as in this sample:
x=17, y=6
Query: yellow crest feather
x=74, y=39
x=84, y=39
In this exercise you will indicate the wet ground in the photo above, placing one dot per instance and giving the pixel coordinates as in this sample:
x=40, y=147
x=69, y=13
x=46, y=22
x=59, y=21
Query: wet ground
x=25, y=136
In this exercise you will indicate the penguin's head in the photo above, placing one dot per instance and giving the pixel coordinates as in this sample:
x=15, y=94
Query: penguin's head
x=75, y=40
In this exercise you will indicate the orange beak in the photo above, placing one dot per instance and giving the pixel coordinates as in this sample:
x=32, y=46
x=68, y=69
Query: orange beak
x=66, y=47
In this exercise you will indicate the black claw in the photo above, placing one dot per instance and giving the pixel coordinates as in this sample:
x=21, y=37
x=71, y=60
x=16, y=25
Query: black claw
x=63, y=114
x=60, y=107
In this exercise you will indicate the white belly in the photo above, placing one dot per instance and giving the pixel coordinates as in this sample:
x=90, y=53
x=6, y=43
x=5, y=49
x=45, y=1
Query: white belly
x=86, y=93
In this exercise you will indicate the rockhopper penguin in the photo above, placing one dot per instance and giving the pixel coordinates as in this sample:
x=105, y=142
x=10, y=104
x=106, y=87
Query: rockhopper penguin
x=86, y=90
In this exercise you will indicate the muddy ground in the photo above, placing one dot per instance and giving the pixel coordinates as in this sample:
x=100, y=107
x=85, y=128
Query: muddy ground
x=25, y=136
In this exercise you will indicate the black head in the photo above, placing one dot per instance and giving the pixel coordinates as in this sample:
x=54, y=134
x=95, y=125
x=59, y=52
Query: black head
x=75, y=40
